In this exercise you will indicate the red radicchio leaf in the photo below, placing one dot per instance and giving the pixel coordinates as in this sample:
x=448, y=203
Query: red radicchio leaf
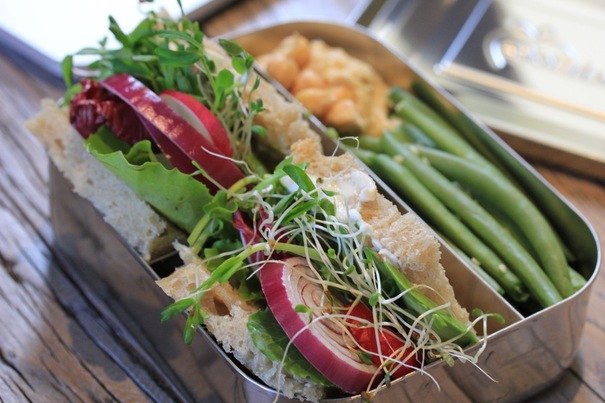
x=94, y=106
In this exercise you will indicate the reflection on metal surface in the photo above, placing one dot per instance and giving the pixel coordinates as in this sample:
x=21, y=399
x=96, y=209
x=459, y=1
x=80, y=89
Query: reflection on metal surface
x=546, y=53
x=521, y=42
x=533, y=69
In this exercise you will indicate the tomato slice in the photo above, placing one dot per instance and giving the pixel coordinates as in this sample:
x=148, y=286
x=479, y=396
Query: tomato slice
x=381, y=342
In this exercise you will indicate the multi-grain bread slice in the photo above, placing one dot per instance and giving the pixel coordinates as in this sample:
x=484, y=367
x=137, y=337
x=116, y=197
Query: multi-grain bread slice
x=140, y=225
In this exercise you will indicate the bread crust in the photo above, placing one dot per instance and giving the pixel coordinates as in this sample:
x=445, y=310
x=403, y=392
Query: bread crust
x=409, y=240
x=139, y=224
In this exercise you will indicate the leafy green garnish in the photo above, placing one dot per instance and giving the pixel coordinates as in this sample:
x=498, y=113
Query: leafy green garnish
x=176, y=308
x=67, y=66
x=177, y=196
x=268, y=336
x=366, y=358
x=299, y=176
x=176, y=58
x=215, y=255
x=164, y=53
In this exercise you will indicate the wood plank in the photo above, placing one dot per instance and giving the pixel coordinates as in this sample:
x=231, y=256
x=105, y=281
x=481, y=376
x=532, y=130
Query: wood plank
x=55, y=345
x=570, y=388
x=47, y=350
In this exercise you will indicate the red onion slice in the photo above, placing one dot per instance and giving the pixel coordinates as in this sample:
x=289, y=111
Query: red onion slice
x=286, y=285
x=179, y=141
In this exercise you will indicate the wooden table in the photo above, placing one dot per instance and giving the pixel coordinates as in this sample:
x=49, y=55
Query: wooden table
x=54, y=343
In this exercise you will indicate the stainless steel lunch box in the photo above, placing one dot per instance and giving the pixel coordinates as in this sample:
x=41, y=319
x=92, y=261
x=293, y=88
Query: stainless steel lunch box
x=521, y=357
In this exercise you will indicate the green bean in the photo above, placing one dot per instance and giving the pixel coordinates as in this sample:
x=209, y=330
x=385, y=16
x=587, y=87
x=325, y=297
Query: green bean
x=364, y=156
x=465, y=140
x=434, y=211
x=502, y=218
x=410, y=133
x=577, y=280
x=551, y=206
x=405, y=132
x=371, y=143
x=515, y=205
x=400, y=134
x=410, y=108
x=461, y=122
x=517, y=258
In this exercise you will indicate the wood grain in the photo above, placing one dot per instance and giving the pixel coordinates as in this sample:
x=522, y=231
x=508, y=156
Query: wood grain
x=57, y=344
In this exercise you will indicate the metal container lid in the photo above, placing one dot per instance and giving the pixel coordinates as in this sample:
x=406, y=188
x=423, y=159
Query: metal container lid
x=534, y=71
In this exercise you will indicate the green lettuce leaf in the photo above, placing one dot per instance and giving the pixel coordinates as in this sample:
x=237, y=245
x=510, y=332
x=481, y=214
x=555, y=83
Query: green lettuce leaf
x=177, y=196
x=268, y=336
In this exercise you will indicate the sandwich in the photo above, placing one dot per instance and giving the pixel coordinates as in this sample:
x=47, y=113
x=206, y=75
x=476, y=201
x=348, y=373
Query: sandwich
x=292, y=260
